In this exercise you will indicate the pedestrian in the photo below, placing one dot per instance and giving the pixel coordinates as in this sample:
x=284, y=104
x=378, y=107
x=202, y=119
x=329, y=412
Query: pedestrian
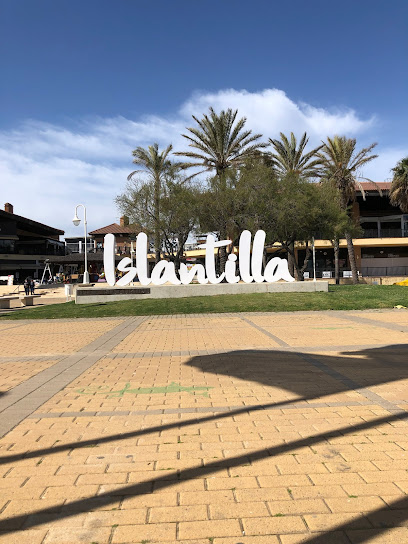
x=27, y=285
x=32, y=286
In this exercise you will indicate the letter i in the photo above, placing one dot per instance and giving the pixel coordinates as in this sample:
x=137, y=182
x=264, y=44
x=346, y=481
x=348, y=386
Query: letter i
x=231, y=268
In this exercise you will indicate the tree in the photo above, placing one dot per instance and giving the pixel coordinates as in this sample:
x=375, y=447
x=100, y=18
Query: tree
x=158, y=167
x=290, y=159
x=399, y=185
x=219, y=143
x=341, y=165
x=178, y=202
x=299, y=211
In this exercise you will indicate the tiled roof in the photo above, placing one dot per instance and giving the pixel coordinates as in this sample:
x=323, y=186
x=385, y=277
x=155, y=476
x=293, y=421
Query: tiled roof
x=114, y=229
x=370, y=186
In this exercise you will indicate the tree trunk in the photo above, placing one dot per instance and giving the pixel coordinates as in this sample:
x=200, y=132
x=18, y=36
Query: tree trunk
x=291, y=258
x=157, y=236
x=352, y=258
x=305, y=262
x=336, y=248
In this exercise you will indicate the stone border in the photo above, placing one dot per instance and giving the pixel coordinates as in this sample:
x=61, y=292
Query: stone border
x=211, y=409
x=21, y=401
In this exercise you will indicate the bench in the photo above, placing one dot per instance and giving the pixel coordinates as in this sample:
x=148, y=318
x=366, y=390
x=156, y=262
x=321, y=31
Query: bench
x=5, y=302
x=28, y=300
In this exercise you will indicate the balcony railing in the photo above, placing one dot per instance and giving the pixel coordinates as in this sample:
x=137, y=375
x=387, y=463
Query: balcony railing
x=74, y=247
x=384, y=233
x=384, y=271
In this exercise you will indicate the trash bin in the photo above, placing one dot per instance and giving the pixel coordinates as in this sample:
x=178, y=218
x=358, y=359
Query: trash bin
x=69, y=289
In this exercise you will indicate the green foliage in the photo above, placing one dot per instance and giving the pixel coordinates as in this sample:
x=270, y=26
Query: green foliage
x=399, y=185
x=289, y=158
x=158, y=167
x=178, y=201
x=341, y=164
x=219, y=142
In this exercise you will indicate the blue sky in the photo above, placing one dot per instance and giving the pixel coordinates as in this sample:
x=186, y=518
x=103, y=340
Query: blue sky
x=84, y=82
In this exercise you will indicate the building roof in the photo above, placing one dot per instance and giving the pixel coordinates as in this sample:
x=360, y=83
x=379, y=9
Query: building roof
x=114, y=229
x=30, y=222
x=374, y=186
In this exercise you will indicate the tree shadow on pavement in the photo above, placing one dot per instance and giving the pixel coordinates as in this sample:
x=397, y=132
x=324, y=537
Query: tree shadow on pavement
x=307, y=376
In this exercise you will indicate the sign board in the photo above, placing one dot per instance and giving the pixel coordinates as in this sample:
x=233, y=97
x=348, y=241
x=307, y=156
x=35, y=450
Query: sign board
x=250, y=264
x=347, y=274
x=306, y=275
x=326, y=274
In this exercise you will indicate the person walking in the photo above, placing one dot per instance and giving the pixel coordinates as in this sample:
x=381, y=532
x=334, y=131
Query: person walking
x=27, y=285
x=32, y=286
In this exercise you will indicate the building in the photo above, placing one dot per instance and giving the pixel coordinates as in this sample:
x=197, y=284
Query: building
x=382, y=247
x=124, y=233
x=25, y=244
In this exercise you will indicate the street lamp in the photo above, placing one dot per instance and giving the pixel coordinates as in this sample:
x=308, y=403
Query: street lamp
x=76, y=222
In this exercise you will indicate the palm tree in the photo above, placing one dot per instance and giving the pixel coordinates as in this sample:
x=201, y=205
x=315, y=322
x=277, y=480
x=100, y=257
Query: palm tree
x=341, y=164
x=288, y=158
x=399, y=185
x=220, y=142
x=157, y=166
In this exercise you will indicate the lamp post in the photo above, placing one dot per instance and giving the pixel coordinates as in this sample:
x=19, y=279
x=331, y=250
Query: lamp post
x=76, y=222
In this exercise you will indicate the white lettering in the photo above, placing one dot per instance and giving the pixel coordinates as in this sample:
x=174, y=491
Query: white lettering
x=186, y=275
x=257, y=254
x=141, y=259
x=277, y=269
x=244, y=256
x=164, y=271
x=131, y=272
x=109, y=258
x=210, y=245
x=231, y=268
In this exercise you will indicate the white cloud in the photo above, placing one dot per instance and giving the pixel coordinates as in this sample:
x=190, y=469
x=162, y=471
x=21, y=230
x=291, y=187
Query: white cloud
x=46, y=169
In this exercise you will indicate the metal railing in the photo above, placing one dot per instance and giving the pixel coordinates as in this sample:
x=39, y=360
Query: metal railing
x=384, y=271
x=384, y=233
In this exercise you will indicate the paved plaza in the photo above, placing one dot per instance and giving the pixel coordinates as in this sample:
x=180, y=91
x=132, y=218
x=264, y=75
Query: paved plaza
x=205, y=429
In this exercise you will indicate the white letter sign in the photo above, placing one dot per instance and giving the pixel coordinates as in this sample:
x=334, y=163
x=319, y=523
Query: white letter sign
x=250, y=265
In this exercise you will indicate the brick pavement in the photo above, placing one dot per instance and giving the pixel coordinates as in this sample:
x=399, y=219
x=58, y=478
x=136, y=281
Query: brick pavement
x=223, y=429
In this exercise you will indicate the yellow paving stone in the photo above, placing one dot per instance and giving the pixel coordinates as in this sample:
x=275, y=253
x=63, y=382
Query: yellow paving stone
x=269, y=539
x=331, y=538
x=354, y=504
x=178, y=513
x=68, y=535
x=238, y=482
x=273, y=525
x=387, y=488
x=115, y=517
x=317, y=491
x=240, y=510
x=80, y=491
x=206, y=497
x=211, y=528
x=151, y=532
x=151, y=500
x=305, y=506
x=27, y=536
x=330, y=522
x=263, y=494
